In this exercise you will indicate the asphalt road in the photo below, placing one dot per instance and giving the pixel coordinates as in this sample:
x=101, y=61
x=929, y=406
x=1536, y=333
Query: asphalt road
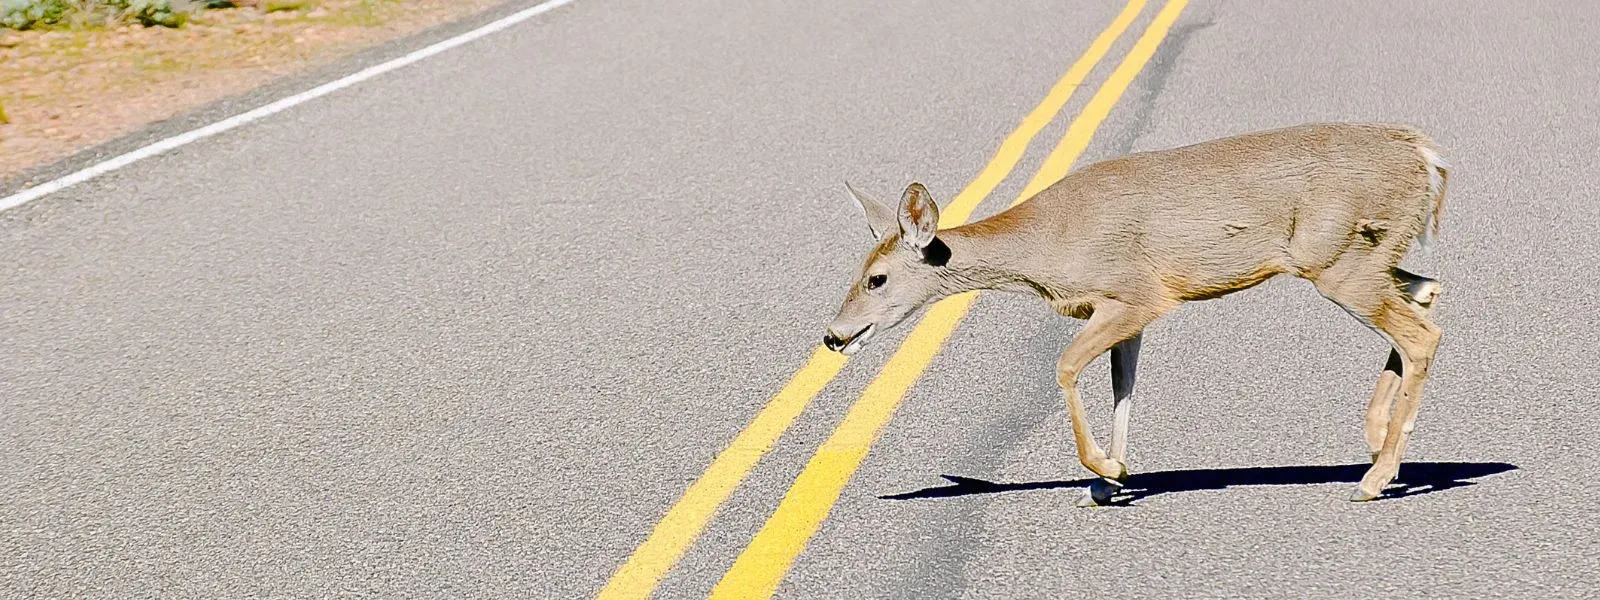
x=470, y=328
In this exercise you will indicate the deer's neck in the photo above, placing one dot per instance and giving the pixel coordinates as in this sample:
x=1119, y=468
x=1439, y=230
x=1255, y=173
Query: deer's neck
x=988, y=258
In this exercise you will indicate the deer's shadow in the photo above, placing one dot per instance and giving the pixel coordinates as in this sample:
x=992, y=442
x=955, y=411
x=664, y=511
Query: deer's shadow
x=1415, y=478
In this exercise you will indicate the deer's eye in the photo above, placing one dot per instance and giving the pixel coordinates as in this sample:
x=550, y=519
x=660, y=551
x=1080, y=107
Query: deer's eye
x=876, y=281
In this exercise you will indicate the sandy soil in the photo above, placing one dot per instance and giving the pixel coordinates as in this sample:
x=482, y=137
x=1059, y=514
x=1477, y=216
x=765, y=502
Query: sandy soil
x=67, y=90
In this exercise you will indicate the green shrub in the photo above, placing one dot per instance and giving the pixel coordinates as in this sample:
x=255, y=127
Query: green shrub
x=27, y=14
x=156, y=12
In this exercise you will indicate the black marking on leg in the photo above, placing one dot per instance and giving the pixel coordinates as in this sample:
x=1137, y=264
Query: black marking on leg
x=1395, y=364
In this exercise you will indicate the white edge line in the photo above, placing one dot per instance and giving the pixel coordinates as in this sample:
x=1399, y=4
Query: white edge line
x=34, y=193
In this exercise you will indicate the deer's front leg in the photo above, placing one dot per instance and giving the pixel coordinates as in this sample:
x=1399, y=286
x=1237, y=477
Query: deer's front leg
x=1111, y=323
x=1124, y=366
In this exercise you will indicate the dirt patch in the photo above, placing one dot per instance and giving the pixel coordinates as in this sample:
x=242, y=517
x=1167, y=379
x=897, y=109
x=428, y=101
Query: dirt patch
x=64, y=91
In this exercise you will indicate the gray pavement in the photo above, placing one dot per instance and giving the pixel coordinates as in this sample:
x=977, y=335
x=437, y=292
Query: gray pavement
x=467, y=330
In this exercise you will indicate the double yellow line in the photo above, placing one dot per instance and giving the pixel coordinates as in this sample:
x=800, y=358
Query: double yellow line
x=763, y=564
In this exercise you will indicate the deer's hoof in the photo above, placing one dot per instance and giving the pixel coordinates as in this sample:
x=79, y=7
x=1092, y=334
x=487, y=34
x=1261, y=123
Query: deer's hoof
x=1101, y=490
x=1362, y=495
x=1377, y=478
x=1113, y=471
x=1099, y=493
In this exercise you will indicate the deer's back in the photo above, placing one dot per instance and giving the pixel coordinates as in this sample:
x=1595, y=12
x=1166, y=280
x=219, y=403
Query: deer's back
x=1214, y=217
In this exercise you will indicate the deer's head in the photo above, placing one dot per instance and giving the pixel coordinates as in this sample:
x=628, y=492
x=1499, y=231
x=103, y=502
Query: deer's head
x=902, y=273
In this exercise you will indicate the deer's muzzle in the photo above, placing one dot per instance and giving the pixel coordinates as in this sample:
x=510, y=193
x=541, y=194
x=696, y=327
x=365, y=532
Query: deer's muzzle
x=848, y=345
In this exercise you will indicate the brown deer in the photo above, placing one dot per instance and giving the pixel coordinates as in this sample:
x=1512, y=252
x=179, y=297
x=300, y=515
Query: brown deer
x=1123, y=241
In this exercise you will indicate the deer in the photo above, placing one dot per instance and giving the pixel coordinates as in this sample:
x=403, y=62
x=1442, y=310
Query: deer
x=1123, y=241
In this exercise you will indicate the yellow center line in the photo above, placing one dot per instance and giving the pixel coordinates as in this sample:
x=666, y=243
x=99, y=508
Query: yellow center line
x=1011, y=150
x=763, y=564
x=681, y=526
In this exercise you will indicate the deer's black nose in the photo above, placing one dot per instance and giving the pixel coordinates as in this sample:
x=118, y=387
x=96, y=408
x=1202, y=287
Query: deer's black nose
x=832, y=342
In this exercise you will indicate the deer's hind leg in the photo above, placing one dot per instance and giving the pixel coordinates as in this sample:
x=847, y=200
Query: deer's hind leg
x=1362, y=285
x=1421, y=292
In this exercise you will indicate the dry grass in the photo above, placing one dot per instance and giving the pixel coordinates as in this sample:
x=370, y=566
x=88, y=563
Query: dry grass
x=68, y=89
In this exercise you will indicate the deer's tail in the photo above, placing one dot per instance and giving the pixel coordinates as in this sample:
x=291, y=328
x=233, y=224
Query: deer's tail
x=1438, y=178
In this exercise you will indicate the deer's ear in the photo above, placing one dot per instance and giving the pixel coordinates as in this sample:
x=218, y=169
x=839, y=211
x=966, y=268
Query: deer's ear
x=919, y=217
x=880, y=218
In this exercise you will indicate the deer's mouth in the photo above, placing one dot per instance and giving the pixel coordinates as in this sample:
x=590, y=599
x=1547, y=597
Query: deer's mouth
x=849, y=345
